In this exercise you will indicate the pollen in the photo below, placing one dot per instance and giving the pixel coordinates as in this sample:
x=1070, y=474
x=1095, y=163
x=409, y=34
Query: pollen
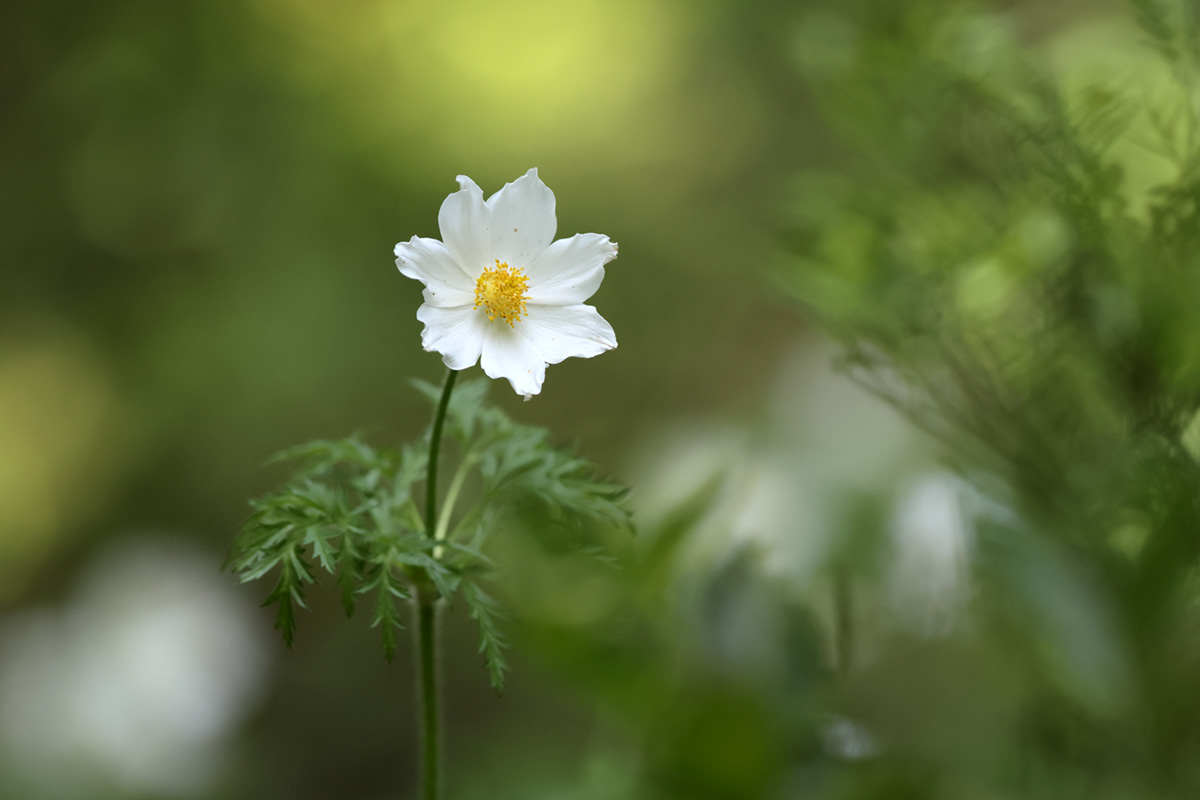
x=501, y=292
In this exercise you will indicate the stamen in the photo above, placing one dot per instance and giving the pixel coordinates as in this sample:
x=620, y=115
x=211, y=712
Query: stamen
x=501, y=292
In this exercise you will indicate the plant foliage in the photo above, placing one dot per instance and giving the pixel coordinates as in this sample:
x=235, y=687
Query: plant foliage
x=349, y=511
x=1009, y=254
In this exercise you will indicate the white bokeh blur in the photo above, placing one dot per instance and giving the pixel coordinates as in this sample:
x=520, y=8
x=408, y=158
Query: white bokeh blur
x=790, y=498
x=136, y=683
x=928, y=581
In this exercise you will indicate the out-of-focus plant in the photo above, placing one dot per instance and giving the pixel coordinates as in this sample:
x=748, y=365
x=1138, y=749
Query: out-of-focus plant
x=992, y=263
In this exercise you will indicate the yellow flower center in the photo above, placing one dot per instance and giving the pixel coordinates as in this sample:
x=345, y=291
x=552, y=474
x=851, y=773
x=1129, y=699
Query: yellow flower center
x=501, y=291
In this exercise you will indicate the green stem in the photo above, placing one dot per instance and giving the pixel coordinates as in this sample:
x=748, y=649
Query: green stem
x=427, y=600
x=456, y=484
x=430, y=717
x=435, y=445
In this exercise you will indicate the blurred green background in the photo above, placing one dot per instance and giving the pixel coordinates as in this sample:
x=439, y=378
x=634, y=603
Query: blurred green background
x=198, y=202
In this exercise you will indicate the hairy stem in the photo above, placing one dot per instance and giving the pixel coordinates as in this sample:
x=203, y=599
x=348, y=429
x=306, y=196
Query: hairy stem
x=427, y=600
x=430, y=713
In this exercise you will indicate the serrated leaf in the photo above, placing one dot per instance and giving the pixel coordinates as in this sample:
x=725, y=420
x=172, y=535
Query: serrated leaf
x=348, y=575
x=350, y=507
x=387, y=618
x=492, y=642
x=326, y=555
x=287, y=594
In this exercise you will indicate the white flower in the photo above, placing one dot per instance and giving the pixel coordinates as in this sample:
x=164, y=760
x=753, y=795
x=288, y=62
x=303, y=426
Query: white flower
x=500, y=291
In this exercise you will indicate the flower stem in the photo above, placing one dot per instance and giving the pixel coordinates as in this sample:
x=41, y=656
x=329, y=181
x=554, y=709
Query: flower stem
x=430, y=714
x=427, y=600
x=435, y=445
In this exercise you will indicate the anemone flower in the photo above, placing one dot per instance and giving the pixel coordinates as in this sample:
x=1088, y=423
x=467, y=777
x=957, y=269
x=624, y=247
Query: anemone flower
x=500, y=291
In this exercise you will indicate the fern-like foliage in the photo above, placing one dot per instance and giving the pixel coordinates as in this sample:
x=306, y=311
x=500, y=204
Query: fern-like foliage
x=349, y=511
x=1011, y=256
x=993, y=262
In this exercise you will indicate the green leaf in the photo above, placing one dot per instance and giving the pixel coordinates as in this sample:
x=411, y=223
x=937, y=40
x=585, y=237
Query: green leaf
x=492, y=642
x=387, y=590
x=288, y=593
x=350, y=507
x=348, y=576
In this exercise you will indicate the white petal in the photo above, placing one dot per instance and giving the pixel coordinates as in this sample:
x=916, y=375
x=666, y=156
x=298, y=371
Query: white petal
x=456, y=333
x=508, y=354
x=466, y=225
x=562, y=332
x=523, y=221
x=428, y=261
x=570, y=270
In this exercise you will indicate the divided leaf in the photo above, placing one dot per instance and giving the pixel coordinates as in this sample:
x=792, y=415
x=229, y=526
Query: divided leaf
x=349, y=509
